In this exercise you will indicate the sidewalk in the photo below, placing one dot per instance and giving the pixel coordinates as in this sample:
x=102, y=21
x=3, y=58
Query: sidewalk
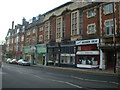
x=95, y=71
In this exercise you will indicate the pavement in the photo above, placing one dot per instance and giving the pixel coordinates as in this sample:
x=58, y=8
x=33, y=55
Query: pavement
x=95, y=70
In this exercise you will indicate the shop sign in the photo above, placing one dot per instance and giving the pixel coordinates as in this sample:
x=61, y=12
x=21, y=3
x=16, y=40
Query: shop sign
x=41, y=48
x=87, y=53
x=19, y=52
x=84, y=42
x=67, y=54
x=11, y=49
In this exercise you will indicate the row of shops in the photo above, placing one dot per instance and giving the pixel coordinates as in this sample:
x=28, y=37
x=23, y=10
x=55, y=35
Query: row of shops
x=81, y=54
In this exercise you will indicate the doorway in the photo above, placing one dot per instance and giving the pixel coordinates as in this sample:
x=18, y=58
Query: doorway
x=110, y=59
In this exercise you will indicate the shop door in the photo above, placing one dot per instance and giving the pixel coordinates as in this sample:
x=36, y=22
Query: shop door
x=110, y=59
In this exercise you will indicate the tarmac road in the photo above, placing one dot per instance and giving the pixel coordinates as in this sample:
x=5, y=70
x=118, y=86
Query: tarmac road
x=16, y=76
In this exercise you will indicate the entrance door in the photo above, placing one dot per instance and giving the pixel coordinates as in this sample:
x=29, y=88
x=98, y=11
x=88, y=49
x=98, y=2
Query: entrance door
x=110, y=59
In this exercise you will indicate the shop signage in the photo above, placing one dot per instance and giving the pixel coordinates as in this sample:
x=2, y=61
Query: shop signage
x=19, y=52
x=87, y=53
x=67, y=54
x=90, y=41
x=41, y=48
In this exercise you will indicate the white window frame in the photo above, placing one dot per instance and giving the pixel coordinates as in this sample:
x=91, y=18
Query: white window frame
x=23, y=28
x=108, y=9
x=22, y=38
x=108, y=26
x=90, y=29
x=58, y=28
x=34, y=30
x=28, y=32
x=92, y=13
x=75, y=23
x=18, y=30
x=40, y=38
x=41, y=28
x=47, y=30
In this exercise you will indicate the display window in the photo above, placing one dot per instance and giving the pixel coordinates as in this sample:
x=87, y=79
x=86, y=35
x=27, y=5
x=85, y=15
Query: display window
x=67, y=60
x=88, y=60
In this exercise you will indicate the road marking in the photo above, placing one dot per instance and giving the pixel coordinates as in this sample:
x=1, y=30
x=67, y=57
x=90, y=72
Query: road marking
x=94, y=80
x=3, y=73
x=77, y=78
x=60, y=81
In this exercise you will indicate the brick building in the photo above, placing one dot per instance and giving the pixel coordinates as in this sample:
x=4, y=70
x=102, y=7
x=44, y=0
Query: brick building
x=81, y=34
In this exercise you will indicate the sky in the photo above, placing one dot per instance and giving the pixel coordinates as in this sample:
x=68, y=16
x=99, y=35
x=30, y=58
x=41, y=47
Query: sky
x=15, y=10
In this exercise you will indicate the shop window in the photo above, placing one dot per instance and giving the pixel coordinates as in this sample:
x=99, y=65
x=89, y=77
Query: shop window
x=88, y=60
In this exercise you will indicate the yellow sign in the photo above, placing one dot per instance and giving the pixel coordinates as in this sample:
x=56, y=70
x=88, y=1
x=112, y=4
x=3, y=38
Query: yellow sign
x=11, y=49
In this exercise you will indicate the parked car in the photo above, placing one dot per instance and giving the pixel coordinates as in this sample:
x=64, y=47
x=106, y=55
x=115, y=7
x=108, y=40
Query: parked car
x=23, y=62
x=8, y=60
x=13, y=61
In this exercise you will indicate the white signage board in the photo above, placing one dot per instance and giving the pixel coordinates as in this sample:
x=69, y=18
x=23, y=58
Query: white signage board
x=87, y=53
x=85, y=42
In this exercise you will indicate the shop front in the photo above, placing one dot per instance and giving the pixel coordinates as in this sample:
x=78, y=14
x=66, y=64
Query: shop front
x=41, y=54
x=19, y=54
x=27, y=55
x=87, y=53
x=53, y=53
x=67, y=58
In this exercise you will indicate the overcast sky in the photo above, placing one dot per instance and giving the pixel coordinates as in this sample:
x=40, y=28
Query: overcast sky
x=15, y=10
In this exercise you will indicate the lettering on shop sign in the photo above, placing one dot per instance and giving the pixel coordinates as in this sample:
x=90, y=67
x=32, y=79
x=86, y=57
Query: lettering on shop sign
x=84, y=42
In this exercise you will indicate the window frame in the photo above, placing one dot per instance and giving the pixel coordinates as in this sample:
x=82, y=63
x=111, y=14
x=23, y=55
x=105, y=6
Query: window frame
x=108, y=8
x=111, y=32
x=93, y=30
x=92, y=13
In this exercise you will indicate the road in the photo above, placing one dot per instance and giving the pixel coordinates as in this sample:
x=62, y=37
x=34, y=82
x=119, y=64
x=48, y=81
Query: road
x=16, y=76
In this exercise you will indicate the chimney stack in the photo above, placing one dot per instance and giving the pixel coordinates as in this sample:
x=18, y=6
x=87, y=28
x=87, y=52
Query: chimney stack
x=12, y=24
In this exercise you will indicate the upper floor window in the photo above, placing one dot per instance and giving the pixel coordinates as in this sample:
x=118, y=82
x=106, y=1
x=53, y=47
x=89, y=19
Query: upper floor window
x=109, y=27
x=91, y=13
x=58, y=27
x=22, y=38
x=91, y=29
x=47, y=30
x=12, y=40
x=34, y=30
x=18, y=30
x=28, y=32
x=23, y=29
x=81, y=22
x=108, y=8
x=41, y=28
x=40, y=38
x=74, y=23
x=63, y=27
